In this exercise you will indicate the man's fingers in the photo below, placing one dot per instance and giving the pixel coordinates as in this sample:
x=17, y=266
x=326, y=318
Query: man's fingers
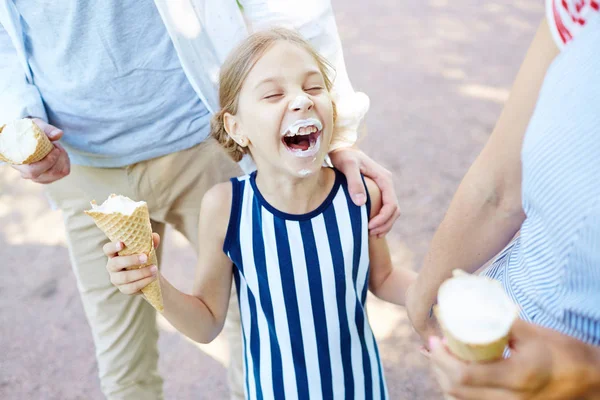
x=116, y=264
x=131, y=276
x=51, y=131
x=356, y=186
x=135, y=287
x=390, y=211
x=382, y=223
x=35, y=170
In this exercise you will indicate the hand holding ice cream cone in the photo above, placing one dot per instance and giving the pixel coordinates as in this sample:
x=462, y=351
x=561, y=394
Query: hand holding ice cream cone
x=31, y=147
x=476, y=316
x=132, y=257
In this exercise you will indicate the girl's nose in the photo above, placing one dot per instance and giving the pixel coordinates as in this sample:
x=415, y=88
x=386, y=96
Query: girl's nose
x=301, y=103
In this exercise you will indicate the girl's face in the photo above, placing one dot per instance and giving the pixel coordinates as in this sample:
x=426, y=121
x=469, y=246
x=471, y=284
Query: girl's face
x=285, y=111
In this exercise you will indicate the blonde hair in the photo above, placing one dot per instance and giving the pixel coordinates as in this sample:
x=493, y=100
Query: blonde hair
x=236, y=68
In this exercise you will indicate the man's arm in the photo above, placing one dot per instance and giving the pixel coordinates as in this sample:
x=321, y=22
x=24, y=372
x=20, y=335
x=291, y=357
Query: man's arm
x=486, y=210
x=18, y=97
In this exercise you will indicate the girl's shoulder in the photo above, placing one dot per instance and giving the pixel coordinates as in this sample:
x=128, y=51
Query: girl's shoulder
x=214, y=213
x=567, y=17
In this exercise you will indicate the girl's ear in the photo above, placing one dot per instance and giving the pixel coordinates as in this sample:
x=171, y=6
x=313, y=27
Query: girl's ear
x=233, y=129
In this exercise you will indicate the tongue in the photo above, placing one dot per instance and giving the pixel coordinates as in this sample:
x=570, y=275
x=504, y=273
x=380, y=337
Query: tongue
x=300, y=143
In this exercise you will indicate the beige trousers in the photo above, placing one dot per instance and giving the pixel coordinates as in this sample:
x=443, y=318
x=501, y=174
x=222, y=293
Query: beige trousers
x=124, y=327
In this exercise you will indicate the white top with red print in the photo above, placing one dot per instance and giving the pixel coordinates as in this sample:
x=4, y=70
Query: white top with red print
x=567, y=17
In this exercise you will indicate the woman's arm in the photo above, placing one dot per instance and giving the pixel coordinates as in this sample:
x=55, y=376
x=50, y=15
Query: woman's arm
x=201, y=315
x=486, y=210
x=387, y=282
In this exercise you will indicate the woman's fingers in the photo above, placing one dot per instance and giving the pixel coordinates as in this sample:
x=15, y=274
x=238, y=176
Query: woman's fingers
x=156, y=239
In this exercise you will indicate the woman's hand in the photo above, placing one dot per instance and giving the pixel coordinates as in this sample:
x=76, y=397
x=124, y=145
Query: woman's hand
x=129, y=281
x=543, y=365
x=352, y=163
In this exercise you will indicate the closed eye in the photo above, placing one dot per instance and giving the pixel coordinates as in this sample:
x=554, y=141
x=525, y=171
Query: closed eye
x=273, y=96
x=314, y=89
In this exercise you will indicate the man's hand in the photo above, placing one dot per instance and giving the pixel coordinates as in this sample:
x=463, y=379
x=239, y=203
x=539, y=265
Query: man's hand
x=544, y=365
x=54, y=166
x=352, y=163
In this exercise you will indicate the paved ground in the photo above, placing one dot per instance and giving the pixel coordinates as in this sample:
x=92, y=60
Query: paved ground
x=437, y=72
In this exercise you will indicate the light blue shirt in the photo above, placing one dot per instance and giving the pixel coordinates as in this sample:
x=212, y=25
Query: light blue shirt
x=203, y=33
x=110, y=78
x=553, y=269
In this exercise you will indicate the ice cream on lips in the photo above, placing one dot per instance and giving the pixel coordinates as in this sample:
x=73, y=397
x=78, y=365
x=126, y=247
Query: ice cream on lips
x=303, y=137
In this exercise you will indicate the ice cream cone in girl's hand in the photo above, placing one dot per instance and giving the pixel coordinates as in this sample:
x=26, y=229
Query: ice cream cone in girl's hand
x=127, y=221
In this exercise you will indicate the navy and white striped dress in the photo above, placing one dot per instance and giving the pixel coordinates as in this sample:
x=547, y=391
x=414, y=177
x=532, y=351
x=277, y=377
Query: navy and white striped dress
x=302, y=283
x=552, y=270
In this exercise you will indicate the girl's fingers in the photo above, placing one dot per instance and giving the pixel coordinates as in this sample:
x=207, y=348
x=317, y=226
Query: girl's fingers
x=135, y=287
x=134, y=275
x=111, y=249
x=116, y=264
x=155, y=239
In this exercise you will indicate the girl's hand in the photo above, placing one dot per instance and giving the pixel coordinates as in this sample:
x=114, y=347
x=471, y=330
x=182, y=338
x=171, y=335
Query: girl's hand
x=419, y=314
x=353, y=162
x=129, y=281
x=544, y=365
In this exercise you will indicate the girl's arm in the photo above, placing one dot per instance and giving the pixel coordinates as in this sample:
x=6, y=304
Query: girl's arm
x=200, y=316
x=387, y=282
x=486, y=211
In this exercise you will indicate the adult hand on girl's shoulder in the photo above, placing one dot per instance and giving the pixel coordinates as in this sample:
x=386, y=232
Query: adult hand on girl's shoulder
x=375, y=197
x=544, y=364
x=352, y=162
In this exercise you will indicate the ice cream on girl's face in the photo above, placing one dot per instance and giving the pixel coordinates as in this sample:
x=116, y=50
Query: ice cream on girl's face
x=303, y=137
x=286, y=111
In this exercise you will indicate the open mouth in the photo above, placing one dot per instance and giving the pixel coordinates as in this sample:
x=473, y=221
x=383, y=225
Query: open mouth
x=302, y=138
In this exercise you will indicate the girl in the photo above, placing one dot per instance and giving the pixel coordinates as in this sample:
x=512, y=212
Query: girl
x=288, y=234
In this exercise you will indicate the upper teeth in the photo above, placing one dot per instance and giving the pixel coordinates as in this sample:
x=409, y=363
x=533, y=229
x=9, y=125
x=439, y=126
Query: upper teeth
x=304, y=127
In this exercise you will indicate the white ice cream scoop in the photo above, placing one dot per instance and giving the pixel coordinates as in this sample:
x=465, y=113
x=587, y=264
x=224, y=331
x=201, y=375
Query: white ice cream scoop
x=117, y=204
x=23, y=142
x=476, y=316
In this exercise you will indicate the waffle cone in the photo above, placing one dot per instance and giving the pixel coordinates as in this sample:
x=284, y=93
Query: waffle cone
x=43, y=147
x=480, y=352
x=135, y=232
